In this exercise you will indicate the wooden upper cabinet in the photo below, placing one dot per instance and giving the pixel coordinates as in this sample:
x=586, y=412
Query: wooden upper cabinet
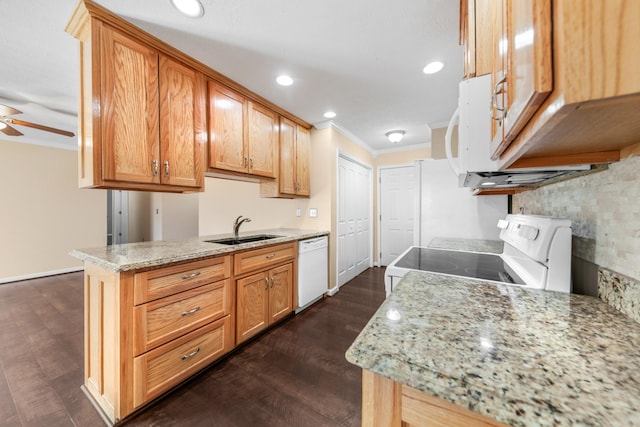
x=528, y=78
x=293, y=177
x=303, y=152
x=287, y=176
x=142, y=116
x=475, y=36
x=571, y=94
x=129, y=105
x=243, y=135
x=182, y=124
x=227, y=129
x=262, y=140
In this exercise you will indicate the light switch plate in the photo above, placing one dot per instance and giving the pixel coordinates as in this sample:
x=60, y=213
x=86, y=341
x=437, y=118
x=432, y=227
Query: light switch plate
x=313, y=212
x=298, y=212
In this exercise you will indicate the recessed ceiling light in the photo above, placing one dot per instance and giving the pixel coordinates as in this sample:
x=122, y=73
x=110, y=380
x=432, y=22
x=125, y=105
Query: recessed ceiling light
x=329, y=114
x=433, y=67
x=191, y=8
x=284, y=80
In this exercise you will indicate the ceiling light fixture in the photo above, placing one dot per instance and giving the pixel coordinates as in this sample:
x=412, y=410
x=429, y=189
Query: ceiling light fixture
x=2, y=125
x=191, y=8
x=395, y=135
x=284, y=80
x=329, y=115
x=433, y=67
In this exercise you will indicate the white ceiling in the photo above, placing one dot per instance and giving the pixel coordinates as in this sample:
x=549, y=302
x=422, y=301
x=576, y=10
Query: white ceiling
x=362, y=59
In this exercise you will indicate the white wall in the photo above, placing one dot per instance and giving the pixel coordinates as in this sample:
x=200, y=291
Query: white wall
x=43, y=214
x=174, y=216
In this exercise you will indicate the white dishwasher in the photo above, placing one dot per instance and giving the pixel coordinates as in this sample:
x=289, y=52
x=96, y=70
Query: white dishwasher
x=313, y=274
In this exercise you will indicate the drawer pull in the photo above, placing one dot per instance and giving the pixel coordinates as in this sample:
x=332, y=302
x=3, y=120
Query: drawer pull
x=190, y=276
x=186, y=313
x=270, y=256
x=190, y=355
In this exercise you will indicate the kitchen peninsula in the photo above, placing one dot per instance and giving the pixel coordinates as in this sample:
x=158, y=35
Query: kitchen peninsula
x=158, y=312
x=454, y=350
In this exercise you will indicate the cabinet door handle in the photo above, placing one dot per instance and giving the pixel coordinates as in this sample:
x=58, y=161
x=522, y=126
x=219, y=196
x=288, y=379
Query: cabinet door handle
x=266, y=280
x=186, y=313
x=190, y=355
x=494, y=101
x=273, y=281
x=191, y=276
x=250, y=163
x=166, y=168
x=246, y=162
x=270, y=256
x=155, y=168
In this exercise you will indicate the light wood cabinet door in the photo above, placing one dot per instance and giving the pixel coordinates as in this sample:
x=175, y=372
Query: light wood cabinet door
x=280, y=292
x=262, y=140
x=529, y=72
x=475, y=35
x=129, y=109
x=227, y=129
x=182, y=124
x=303, y=150
x=287, y=176
x=252, y=312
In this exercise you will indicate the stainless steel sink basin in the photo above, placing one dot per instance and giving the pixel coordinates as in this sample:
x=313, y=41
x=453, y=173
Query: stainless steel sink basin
x=244, y=239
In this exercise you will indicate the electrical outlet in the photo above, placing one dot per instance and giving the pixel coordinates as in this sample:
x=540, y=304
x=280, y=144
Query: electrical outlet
x=313, y=212
x=298, y=212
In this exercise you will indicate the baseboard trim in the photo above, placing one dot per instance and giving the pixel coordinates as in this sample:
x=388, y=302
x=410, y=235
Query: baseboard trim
x=4, y=280
x=331, y=292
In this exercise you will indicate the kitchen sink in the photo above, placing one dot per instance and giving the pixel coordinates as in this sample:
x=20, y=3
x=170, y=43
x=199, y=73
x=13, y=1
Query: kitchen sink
x=245, y=239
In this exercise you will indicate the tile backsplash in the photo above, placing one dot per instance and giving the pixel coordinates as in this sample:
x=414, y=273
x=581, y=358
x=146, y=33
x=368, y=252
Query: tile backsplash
x=604, y=208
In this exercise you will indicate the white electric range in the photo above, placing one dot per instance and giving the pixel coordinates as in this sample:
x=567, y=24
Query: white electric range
x=536, y=254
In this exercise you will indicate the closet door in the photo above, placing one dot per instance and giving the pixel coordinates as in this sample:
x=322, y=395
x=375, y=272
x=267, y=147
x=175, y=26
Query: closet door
x=354, y=218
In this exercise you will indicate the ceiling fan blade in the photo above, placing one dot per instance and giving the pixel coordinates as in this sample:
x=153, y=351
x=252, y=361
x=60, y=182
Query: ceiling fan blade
x=40, y=127
x=5, y=110
x=8, y=130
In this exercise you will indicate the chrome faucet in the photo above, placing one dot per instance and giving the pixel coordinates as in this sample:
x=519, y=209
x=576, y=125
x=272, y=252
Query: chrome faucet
x=237, y=224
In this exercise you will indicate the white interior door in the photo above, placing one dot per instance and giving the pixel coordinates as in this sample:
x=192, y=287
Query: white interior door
x=354, y=218
x=399, y=195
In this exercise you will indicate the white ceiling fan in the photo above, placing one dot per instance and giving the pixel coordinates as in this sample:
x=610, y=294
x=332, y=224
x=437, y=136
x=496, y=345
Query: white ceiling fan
x=7, y=129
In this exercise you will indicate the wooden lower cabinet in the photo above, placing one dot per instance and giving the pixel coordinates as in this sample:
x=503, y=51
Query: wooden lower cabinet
x=386, y=403
x=146, y=331
x=158, y=370
x=263, y=299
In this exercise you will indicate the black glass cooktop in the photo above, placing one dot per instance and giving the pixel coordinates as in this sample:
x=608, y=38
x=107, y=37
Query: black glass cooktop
x=467, y=264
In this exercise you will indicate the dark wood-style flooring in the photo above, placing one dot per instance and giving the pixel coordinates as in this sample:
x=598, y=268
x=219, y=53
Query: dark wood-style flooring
x=293, y=375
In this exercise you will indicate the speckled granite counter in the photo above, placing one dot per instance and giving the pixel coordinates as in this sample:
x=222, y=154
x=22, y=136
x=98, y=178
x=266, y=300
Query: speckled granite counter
x=471, y=245
x=133, y=256
x=523, y=357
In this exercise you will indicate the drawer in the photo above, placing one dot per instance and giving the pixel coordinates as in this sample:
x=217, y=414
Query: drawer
x=259, y=259
x=154, y=284
x=158, y=370
x=160, y=321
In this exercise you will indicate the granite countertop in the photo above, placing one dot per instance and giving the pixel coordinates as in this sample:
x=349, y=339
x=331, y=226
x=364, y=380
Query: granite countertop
x=470, y=245
x=521, y=356
x=134, y=256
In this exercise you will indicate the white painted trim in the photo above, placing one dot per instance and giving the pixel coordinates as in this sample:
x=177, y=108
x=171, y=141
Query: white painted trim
x=375, y=153
x=396, y=149
x=41, y=274
x=331, y=292
x=344, y=132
